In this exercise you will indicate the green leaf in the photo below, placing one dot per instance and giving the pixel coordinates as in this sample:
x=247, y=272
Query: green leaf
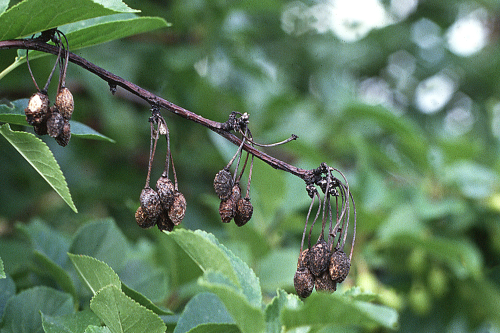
x=2, y=272
x=13, y=113
x=206, y=251
x=272, y=278
x=204, y=308
x=44, y=15
x=70, y=323
x=121, y=314
x=38, y=154
x=22, y=312
x=52, y=269
x=273, y=310
x=144, y=301
x=97, y=329
x=94, y=273
x=325, y=309
x=215, y=328
x=104, y=241
x=246, y=316
x=4, y=4
x=7, y=290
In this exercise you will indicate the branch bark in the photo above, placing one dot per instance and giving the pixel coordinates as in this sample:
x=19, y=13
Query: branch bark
x=115, y=81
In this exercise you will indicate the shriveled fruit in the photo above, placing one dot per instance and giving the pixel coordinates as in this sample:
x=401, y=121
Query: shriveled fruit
x=165, y=189
x=339, y=266
x=143, y=219
x=302, y=262
x=318, y=258
x=223, y=184
x=55, y=123
x=303, y=281
x=37, y=109
x=244, y=211
x=227, y=208
x=150, y=202
x=65, y=103
x=63, y=138
x=325, y=283
x=164, y=223
x=177, y=211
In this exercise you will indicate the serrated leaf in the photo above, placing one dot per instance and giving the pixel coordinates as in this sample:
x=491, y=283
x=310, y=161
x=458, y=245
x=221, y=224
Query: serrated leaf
x=4, y=4
x=104, y=241
x=123, y=315
x=97, y=329
x=204, y=249
x=44, y=15
x=13, y=113
x=322, y=309
x=38, y=154
x=7, y=290
x=144, y=301
x=204, y=308
x=22, y=311
x=71, y=323
x=94, y=273
x=246, y=316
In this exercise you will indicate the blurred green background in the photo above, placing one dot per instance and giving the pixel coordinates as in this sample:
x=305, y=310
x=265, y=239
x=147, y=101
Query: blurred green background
x=400, y=95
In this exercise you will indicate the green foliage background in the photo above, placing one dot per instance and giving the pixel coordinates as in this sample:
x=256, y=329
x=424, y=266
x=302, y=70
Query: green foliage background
x=428, y=201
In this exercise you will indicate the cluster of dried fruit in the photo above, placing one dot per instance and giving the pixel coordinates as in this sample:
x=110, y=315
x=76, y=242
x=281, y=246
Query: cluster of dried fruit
x=164, y=207
x=325, y=264
x=53, y=121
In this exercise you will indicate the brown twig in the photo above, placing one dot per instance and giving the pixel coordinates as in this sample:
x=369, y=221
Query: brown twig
x=114, y=80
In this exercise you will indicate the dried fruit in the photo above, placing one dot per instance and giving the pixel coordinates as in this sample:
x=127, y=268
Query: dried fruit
x=55, y=123
x=177, y=211
x=223, y=184
x=302, y=262
x=303, y=281
x=227, y=208
x=143, y=219
x=150, y=202
x=63, y=138
x=339, y=266
x=165, y=189
x=244, y=211
x=318, y=258
x=65, y=103
x=325, y=283
x=40, y=129
x=37, y=109
x=164, y=222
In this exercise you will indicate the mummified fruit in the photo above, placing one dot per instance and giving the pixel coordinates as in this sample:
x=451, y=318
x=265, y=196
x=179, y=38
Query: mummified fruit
x=339, y=266
x=303, y=281
x=55, y=123
x=63, y=137
x=244, y=211
x=177, y=211
x=37, y=109
x=164, y=222
x=65, y=103
x=165, y=189
x=227, y=208
x=142, y=218
x=223, y=184
x=318, y=258
x=40, y=129
x=150, y=202
x=325, y=283
x=302, y=262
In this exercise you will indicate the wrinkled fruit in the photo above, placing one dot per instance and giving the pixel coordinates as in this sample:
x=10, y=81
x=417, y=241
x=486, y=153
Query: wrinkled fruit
x=63, y=138
x=177, y=211
x=150, y=202
x=318, y=258
x=65, y=103
x=227, y=208
x=325, y=283
x=244, y=211
x=55, y=123
x=142, y=219
x=37, y=109
x=165, y=189
x=303, y=281
x=164, y=223
x=223, y=184
x=339, y=266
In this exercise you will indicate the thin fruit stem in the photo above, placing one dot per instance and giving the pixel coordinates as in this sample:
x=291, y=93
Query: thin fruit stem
x=31, y=73
x=53, y=70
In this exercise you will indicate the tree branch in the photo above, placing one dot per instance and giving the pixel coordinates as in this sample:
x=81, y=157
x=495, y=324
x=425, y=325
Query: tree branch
x=114, y=80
